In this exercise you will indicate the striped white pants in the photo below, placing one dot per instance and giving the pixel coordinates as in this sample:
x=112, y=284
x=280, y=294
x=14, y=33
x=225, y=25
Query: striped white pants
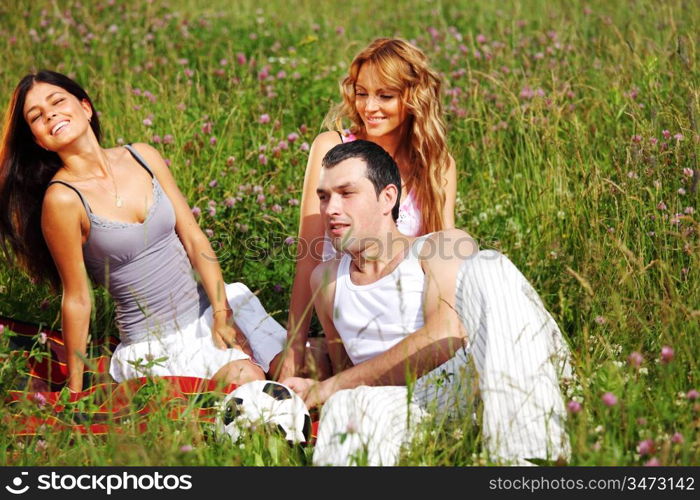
x=518, y=354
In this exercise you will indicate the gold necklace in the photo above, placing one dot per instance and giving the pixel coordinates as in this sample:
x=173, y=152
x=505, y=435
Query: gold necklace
x=118, y=201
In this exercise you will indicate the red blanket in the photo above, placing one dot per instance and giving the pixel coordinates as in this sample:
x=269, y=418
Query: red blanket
x=103, y=404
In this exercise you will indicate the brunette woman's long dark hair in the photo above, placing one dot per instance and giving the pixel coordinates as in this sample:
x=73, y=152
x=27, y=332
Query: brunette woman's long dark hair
x=25, y=171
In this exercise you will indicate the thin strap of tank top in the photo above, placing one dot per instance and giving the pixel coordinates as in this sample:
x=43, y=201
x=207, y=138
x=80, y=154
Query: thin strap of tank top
x=346, y=138
x=140, y=159
x=85, y=203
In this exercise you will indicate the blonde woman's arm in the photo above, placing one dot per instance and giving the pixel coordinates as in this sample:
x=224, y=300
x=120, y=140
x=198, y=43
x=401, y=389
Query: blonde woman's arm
x=309, y=255
x=448, y=214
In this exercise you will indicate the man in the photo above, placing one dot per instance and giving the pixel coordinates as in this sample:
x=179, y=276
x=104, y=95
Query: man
x=396, y=309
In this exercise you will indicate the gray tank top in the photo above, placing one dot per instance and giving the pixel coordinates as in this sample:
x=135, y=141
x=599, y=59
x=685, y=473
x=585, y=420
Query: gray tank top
x=144, y=266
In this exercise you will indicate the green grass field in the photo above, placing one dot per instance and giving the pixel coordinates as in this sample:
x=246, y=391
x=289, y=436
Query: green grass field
x=575, y=130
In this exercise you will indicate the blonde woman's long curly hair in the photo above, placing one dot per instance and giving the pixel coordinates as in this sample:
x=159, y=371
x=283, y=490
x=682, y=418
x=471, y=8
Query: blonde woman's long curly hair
x=404, y=67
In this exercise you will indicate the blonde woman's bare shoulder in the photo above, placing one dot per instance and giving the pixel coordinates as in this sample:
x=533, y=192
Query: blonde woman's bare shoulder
x=326, y=140
x=323, y=143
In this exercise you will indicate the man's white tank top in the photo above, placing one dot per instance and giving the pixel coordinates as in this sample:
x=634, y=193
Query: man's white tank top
x=373, y=318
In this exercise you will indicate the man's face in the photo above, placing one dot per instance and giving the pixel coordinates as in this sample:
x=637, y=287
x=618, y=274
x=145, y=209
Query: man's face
x=352, y=214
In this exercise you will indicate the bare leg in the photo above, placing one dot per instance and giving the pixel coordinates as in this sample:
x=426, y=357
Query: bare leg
x=317, y=363
x=239, y=372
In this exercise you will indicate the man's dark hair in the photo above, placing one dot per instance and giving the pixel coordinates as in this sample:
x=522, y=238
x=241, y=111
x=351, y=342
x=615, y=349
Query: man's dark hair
x=381, y=167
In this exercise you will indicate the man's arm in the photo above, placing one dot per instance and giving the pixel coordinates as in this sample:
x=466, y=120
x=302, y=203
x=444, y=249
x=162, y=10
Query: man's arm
x=310, y=247
x=433, y=344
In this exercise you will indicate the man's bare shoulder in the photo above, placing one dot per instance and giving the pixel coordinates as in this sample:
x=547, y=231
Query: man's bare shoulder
x=448, y=245
x=324, y=274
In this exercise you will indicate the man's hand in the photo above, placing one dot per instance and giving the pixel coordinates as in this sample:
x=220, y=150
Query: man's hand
x=313, y=393
x=302, y=386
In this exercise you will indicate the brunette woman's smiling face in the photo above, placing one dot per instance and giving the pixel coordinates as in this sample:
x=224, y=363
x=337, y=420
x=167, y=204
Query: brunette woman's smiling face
x=55, y=116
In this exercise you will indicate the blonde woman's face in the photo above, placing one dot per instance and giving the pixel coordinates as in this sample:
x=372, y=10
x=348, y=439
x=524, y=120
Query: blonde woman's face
x=378, y=104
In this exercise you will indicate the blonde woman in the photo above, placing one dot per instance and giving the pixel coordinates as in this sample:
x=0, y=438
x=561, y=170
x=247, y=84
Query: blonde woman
x=391, y=97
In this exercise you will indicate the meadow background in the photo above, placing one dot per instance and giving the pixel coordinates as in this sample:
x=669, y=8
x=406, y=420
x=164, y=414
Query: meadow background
x=575, y=130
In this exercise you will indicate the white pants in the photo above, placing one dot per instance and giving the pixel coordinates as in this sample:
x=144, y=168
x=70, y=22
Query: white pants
x=189, y=349
x=518, y=354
